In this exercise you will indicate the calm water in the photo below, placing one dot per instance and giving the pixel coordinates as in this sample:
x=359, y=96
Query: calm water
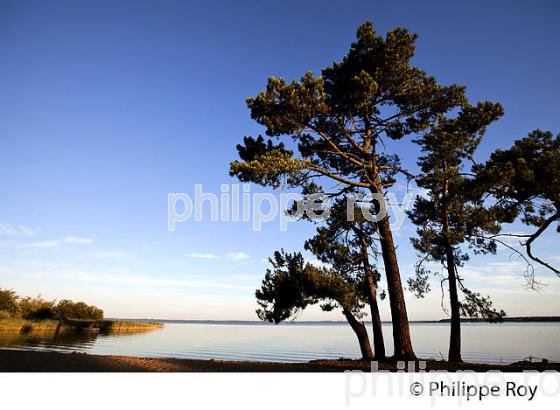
x=491, y=343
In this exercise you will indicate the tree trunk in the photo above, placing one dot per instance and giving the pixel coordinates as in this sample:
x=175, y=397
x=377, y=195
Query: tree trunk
x=455, y=335
x=361, y=333
x=401, y=331
x=378, y=342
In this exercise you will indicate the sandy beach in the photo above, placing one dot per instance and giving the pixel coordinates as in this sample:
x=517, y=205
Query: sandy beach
x=33, y=361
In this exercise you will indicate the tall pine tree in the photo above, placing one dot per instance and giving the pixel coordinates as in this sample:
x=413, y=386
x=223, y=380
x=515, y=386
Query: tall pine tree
x=339, y=122
x=450, y=215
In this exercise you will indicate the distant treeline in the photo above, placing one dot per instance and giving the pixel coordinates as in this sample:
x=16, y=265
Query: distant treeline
x=13, y=305
x=514, y=319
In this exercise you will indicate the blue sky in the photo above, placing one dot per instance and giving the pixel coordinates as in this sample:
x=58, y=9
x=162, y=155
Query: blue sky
x=106, y=108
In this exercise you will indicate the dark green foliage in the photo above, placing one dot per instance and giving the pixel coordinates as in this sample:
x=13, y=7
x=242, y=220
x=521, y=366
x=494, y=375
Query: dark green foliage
x=67, y=309
x=525, y=181
x=345, y=245
x=36, y=308
x=338, y=119
x=452, y=214
x=477, y=306
x=40, y=309
x=292, y=285
x=338, y=122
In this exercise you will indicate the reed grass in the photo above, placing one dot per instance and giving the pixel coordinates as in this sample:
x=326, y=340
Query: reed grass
x=125, y=326
x=105, y=326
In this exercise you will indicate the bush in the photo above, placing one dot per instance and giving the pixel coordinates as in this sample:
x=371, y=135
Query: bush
x=9, y=302
x=13, y=306
x=36, y=308
x=67, y=309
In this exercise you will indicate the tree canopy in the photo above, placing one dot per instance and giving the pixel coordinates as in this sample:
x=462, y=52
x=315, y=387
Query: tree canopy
x=525, y=181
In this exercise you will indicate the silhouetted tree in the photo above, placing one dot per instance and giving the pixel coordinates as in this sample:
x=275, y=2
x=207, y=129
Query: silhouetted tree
x=450, y=215
x=338, y=122
x=525, y=181
x=348, y=246
x=292, y=285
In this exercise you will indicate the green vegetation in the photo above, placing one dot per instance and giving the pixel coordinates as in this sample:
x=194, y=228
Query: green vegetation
x=26, y=314
x=25, y=326
x=452, y=214
x=49, y=325
x=331, y=134
x=524, y=180
x=14, y=306
x=292, y=285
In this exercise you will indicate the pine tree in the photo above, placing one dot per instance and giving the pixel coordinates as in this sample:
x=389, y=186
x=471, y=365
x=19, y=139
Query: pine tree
x=450, y=215
x=525, y=181
x=292, y=285
x=348, y=247
x=339, y=122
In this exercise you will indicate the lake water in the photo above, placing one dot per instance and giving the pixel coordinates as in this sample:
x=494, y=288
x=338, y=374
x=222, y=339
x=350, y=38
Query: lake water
x=489, y=343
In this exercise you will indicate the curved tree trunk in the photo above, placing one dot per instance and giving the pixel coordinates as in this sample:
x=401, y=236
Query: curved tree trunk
x=361, y=333
x=401, y=331
x=378, y=342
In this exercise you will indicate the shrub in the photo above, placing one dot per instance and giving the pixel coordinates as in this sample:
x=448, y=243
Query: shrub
x=9, y=302
x=36, y=308
x=67, y=309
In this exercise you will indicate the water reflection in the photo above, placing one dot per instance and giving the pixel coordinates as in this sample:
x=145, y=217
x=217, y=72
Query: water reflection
x=39, y=340
x=72, y=341
x=485, y=343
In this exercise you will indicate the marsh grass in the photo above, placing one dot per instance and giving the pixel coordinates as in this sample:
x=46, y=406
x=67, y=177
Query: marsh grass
x=24, y=325
x=125, y=326
x=103, y=326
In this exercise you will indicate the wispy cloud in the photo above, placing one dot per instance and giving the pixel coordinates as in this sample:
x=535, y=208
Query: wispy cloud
x=76, y=240
x=39, y=244
x=16, y=230
x=237, y=256
x=230, y=256
x=67, y=240
x=201, y=255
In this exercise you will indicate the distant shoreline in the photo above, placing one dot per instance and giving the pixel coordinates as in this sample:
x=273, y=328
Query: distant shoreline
x=513, y=319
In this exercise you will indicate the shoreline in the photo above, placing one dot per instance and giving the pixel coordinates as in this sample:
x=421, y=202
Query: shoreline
x=37, y=361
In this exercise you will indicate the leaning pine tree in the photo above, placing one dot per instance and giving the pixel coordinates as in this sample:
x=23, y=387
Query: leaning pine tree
x=348, y=247
x=292, y=285
x=450, y=215
x=339, y=122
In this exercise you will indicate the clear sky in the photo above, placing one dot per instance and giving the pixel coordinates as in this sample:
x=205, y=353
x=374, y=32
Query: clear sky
x=106, y=107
